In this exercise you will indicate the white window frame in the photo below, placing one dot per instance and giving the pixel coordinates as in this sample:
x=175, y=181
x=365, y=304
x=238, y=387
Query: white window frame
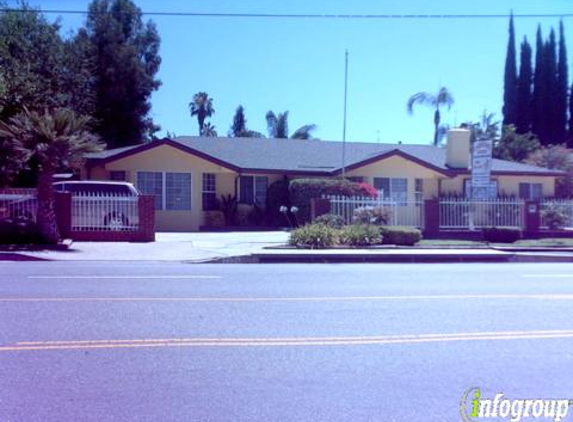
x=390, y=194
x=203, y=191
x=164, y=188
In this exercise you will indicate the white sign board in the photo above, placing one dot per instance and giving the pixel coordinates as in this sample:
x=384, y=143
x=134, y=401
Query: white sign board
x=481, y=163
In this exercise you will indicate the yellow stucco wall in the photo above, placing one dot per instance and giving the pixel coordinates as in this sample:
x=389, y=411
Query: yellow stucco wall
x=396, y=166
x=507, y=185
x=168, y=159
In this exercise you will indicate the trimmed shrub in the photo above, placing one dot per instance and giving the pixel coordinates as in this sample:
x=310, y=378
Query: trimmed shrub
x=554, y=216
x=277, y=197
x=330, y=220
x=19, y=231
x=502, y=234
x=303, y=190
x=215, y=219
x=398, y=235
x=314, y=236
x=361, y=235
x=243, y=215
x=378, y=216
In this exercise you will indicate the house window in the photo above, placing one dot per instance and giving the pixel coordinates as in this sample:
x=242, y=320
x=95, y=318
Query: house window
x=530, y=190
x=486, y=192
x=178, y=191
x=172, y=191
x=209, y=191
x=419, y=190
x=151, y=183
x=253, y=190
x=395, y=188
x=118, y=175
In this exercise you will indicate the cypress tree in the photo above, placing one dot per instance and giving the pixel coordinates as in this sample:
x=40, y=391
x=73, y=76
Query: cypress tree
x=538, y=118
x=552, y=91
x=524, y=91
x=570, y=137
x=562, y=89
x=510, y=81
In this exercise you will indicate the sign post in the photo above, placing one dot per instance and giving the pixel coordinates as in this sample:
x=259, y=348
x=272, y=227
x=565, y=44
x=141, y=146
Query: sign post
x=481, y=173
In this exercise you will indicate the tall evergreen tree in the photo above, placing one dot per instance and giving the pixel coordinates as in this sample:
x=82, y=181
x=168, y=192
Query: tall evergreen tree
x=562, y=90
x=510, y=80
x=570, y=135
x=552, y=92
x=126, y=52
x=524, y=90
x=539, y=89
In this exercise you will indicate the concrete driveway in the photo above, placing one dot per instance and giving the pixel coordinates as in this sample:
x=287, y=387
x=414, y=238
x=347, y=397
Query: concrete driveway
x=194, y=247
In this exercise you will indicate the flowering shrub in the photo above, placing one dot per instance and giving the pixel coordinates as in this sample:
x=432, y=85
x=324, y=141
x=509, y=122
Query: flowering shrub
x=367, y=190
x=378, y=216
x=314, y=236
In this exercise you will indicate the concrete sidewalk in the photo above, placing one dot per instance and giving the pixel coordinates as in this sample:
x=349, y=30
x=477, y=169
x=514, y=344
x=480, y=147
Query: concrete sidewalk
x=228, y=247
x=192, y=247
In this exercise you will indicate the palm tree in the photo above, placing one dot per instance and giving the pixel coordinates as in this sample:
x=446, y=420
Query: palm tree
x=442, y=98
x=55, y=139
x=209, y=130
x=202, y=107
x=277, y=126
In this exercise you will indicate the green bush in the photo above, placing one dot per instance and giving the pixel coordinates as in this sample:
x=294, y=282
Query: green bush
x=331, y=220
x=314, y=236
x=378, y=216
x=360, y=235
x=554, y=216
x=278, y=196
x=303, y=190
x=228, y=204
x=502, y=234
x=215, y=219
x=19, y=231
x=243, y=214
x=398, y=235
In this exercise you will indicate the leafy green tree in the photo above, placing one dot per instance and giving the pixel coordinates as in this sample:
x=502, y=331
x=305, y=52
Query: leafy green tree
x=277, y=127
x=201, y=106
x=126, y=60
x=524, y=90
x=562, y=89
x=510, y=80
x=239, y=126
x=441, y=99
x=556, y=157
x=513, y=146
x=31, y=62
x=54, y=139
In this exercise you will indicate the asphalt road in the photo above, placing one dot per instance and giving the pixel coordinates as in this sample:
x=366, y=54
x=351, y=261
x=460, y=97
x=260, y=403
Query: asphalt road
x=179, y=342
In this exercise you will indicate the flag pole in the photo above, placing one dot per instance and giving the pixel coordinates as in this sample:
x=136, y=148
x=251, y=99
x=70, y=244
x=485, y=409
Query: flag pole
x=344, y=119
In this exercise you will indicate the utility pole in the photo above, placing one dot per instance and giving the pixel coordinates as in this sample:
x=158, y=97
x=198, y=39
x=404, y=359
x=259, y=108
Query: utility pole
x=344, y=119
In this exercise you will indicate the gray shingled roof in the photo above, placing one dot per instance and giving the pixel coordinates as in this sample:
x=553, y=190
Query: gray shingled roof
x=310, y=155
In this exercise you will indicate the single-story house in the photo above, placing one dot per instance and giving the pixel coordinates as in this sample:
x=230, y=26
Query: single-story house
x=186, y=174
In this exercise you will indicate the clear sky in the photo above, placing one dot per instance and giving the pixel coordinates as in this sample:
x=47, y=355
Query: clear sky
x=298, y=64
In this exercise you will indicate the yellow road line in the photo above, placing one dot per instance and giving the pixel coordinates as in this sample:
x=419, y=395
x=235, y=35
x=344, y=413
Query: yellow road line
x=291, y=299
x=123, y=277
x=287, y=341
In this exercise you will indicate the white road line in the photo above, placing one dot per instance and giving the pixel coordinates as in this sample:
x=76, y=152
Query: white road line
x=124, y=277
x=293, y=299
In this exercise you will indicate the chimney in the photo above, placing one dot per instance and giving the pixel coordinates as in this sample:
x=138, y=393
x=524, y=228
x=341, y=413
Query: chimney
x=458, y=148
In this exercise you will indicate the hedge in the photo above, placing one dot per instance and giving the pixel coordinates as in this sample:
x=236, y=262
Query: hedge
x=502, y=234
x=360, y=235
x=314, y=236
x=277, y=197
x=19, y=231
x=398, y=235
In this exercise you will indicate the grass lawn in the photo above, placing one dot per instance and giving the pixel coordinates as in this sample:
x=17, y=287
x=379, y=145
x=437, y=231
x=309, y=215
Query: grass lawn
x=544, y=243
x=449, y=243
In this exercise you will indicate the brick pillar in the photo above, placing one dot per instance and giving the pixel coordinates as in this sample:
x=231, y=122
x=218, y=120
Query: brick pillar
x=532, y=218
x=431, y=217
x=64, y=213
x=146, y=209
x=318, y=207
